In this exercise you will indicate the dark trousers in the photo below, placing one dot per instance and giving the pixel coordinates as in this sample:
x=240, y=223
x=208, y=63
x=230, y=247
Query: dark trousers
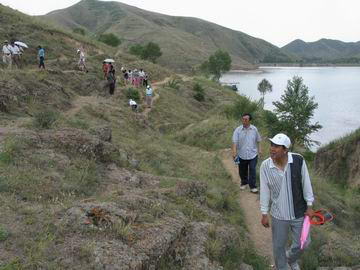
x=112, y=88
x=42, y=63
x=247, y=171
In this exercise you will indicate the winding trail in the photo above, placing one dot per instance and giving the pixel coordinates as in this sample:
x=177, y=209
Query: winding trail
x=155, y=86
x=250, y=202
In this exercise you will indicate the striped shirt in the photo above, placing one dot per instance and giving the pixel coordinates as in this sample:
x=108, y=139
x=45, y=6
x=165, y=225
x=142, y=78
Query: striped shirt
x=276, y=190
x=246, y=140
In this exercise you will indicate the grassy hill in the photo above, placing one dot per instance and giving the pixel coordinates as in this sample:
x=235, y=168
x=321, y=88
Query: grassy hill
x=85, y=182
x=325, y=51
x=339, y=160
x=185, y=42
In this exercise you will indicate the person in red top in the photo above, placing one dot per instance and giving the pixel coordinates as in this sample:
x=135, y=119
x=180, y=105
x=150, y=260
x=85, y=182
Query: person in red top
x=105, y=68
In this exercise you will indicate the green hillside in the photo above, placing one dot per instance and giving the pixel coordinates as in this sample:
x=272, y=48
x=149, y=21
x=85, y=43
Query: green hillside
x=87, y=183
x=185, y=42
x=325, y=51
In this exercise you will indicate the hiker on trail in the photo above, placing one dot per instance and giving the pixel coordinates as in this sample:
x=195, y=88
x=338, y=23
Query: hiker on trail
x=111, y=79
x=81, y=63
x=149, y=94
x=286, y=194
x=136, y=78
x=7, y=54
x=130, y=74
x=145, y=80
x=245, y=149
x=41, y=54
x=141, y=76
x=15, y=54
x=133, y=104
x=105, y=68
x=126, y=76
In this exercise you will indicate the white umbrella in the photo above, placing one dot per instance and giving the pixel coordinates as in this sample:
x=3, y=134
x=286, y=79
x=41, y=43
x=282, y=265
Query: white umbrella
x=22, y=44
x=109, y=60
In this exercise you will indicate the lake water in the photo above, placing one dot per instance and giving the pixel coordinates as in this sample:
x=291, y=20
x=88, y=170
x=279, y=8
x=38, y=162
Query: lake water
x=336, y=90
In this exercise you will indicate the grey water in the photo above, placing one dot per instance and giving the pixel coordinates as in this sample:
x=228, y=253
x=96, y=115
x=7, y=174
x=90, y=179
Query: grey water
x=336, y=90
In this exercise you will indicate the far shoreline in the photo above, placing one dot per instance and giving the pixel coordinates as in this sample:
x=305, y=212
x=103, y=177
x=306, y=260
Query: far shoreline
x=257, y=69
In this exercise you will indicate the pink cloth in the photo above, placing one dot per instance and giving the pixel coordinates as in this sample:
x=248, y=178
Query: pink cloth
x=305, y=232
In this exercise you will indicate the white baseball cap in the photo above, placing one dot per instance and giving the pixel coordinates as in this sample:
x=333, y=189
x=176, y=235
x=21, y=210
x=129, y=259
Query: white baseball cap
x=281, y=139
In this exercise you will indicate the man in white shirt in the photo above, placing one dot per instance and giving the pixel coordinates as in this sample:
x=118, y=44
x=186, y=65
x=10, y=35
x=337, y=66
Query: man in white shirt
x=286, y=193
x=15, y=54
x=7, y=54
x=133, y=104
x=81, y=63
x=246, y=147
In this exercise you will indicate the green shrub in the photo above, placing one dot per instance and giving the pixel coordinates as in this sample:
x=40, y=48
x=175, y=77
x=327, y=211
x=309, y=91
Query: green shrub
x=272, y=123
x=11, y=149
x=151, y=51
x=122, y=230
x=132, y=93
x=110, y=39
x=174, y=84
x=4, y=234
x=240, y=106
x=199, y=92
x=81, y=177
x=136, y=49
x=45, y=119
x=79, y=30
x=13, y=265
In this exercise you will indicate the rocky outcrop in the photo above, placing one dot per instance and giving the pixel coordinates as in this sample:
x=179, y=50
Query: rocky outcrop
x=75, y=141
x=196, y=254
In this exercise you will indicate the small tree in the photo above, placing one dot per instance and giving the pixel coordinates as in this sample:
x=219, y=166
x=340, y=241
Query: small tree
x=136, y=49
x=79, y=30
x=263, y=87
x=151, y=52
x=295, y=111
x=199, y=92
x=110, y=39
x=217, y=64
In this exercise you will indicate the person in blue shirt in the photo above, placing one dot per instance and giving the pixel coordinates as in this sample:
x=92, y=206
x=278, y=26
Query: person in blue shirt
x=149, y=94
x=41, y=54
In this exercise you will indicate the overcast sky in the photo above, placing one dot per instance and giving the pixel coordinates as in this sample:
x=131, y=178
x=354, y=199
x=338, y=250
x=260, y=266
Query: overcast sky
x=276, y=21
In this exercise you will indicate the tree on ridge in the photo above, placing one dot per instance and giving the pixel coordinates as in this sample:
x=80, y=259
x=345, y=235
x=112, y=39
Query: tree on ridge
x=263, y=87
x=295, y=110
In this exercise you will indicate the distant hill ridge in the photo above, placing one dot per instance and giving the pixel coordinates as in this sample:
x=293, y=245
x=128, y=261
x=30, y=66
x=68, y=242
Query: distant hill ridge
x=325, y=50
x=185, y=42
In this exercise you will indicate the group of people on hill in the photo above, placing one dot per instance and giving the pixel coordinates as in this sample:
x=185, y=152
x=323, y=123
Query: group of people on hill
x=137, y=78
x=148, y=99
x=285, y=189
x=12, y=54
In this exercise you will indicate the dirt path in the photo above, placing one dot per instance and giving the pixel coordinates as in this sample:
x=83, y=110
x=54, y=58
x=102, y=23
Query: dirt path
x=249, y=202
x=156, y=95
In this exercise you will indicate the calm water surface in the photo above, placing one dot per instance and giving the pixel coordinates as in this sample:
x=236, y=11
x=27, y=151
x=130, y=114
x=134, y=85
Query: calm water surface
x=336, y=90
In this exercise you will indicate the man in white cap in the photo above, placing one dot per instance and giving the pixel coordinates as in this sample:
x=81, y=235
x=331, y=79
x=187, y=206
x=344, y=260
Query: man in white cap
x=6, y=50
x=285, y=182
